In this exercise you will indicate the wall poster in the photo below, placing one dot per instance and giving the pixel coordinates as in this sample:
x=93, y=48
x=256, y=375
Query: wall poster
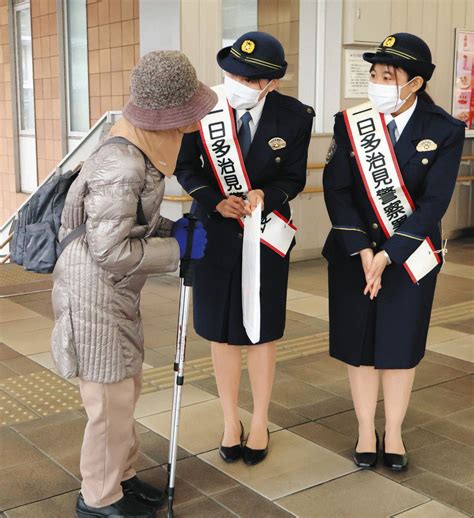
x=463, y=88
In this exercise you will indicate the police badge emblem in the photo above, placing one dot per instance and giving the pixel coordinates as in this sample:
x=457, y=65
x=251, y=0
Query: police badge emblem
x=248, y=46
x=331, y=150
x=426, y=145
x=277, y=143
x=389, y=42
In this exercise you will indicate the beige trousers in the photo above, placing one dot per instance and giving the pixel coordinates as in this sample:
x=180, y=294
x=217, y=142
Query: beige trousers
x=110, y=446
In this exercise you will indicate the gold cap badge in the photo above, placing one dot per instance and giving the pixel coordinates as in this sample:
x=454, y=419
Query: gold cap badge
x=389, y=42
x=426, y=145
x=277, y=143
x=248, y=46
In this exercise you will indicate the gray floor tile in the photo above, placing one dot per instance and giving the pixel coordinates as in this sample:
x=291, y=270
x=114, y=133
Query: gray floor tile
x=293, y=464
x=353, y=496
x=204, y=477
x=62, y=506
x=443, y=490
x=27, y=483
x=248, y=504
x=448, y=459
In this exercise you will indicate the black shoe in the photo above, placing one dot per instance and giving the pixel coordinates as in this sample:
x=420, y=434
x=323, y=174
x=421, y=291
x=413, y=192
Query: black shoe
x=395, y=461
x=143, y=492
x=252, y=457
x=127, y=507
x=233, y=453
x=367, y=460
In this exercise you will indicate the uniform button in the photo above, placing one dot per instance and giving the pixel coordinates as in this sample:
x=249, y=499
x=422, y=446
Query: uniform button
x=351, y=154
x=374, y=244
x=241, y=235
x=309, y=110
x=424, y=161
x=277, y=159
x=375, y=226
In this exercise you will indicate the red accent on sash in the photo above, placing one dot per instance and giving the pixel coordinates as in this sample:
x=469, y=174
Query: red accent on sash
x=359, y=165
x=397, y=169
x=208, y=153
x=237, y=145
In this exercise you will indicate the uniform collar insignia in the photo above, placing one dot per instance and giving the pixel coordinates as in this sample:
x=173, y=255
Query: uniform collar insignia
x=277, y=143
x=426, y=145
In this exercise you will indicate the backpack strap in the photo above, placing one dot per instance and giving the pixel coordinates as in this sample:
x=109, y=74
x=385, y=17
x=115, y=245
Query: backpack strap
x=141, y=219
x=74, y=234
x=81, y=229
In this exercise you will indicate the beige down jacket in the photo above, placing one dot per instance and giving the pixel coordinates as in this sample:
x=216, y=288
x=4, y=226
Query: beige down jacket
x=98, y=334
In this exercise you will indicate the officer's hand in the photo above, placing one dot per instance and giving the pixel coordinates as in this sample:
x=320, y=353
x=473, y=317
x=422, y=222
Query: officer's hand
x=254, y=198
x=232, y=207
x=374, y=277
x=366, y=257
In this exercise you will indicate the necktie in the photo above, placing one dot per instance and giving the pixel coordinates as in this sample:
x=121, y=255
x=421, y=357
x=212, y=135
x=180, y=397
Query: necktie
x=392, y=128
x=245, y=137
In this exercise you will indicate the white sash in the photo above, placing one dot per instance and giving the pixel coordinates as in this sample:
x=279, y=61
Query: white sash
x=219, y=137
x=384, y=183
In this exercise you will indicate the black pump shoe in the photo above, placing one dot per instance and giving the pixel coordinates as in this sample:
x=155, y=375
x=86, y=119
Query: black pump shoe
x=367, y=460
x=395, y=461
x=233, y=453
x=127, y=507
x=252, y=457
x=143, y=492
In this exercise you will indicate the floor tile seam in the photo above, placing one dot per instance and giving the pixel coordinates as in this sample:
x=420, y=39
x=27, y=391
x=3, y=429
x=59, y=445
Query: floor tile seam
x=302, y=490
x=452, y=320
x=48, y=456
x=441, y=383
x=444, y=440
x=37, y=501
x=458, y=306
x=421, y=492
x=411, y=508
x=422, y=426
x=425, y=503
x=213, y=498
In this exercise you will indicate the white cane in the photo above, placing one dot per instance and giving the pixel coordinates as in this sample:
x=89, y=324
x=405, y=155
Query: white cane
x=186, y=282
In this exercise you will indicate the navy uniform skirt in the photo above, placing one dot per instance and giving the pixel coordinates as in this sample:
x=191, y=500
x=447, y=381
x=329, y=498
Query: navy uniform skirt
x=217, y=288
x=388, y=332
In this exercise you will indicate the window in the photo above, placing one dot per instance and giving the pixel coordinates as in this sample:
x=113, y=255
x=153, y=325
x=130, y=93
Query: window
x=25, y=99
x=77, y=74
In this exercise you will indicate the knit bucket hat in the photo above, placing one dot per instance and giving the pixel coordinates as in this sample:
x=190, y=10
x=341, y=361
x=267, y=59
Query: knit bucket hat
x=165, y=93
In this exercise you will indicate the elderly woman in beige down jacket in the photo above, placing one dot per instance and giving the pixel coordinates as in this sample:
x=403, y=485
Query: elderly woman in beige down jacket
x=98, y=334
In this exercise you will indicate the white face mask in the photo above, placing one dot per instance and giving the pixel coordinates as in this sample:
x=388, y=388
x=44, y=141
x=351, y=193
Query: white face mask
x=386, y=98
x=240, y=96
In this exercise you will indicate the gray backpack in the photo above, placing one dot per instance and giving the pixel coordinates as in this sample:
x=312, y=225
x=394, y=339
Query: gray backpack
x=35, y=243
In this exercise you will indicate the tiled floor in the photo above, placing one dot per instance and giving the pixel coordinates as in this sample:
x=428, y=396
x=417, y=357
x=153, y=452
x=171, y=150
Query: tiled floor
x=308, y=472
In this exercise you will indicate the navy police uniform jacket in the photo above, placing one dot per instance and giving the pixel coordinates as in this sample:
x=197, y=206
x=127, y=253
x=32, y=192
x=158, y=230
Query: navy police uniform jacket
x=281, y=174
x=389, y=332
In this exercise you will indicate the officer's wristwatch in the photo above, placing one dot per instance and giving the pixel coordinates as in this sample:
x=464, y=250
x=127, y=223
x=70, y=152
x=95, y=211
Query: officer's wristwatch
x=389, y=261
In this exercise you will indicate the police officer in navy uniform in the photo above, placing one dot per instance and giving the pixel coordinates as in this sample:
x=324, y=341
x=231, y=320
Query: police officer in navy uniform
x=379, y=317
x=274, y=131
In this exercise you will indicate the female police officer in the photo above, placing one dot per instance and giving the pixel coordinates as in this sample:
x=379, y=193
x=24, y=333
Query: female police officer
x=273, y=136
x=388, y=181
